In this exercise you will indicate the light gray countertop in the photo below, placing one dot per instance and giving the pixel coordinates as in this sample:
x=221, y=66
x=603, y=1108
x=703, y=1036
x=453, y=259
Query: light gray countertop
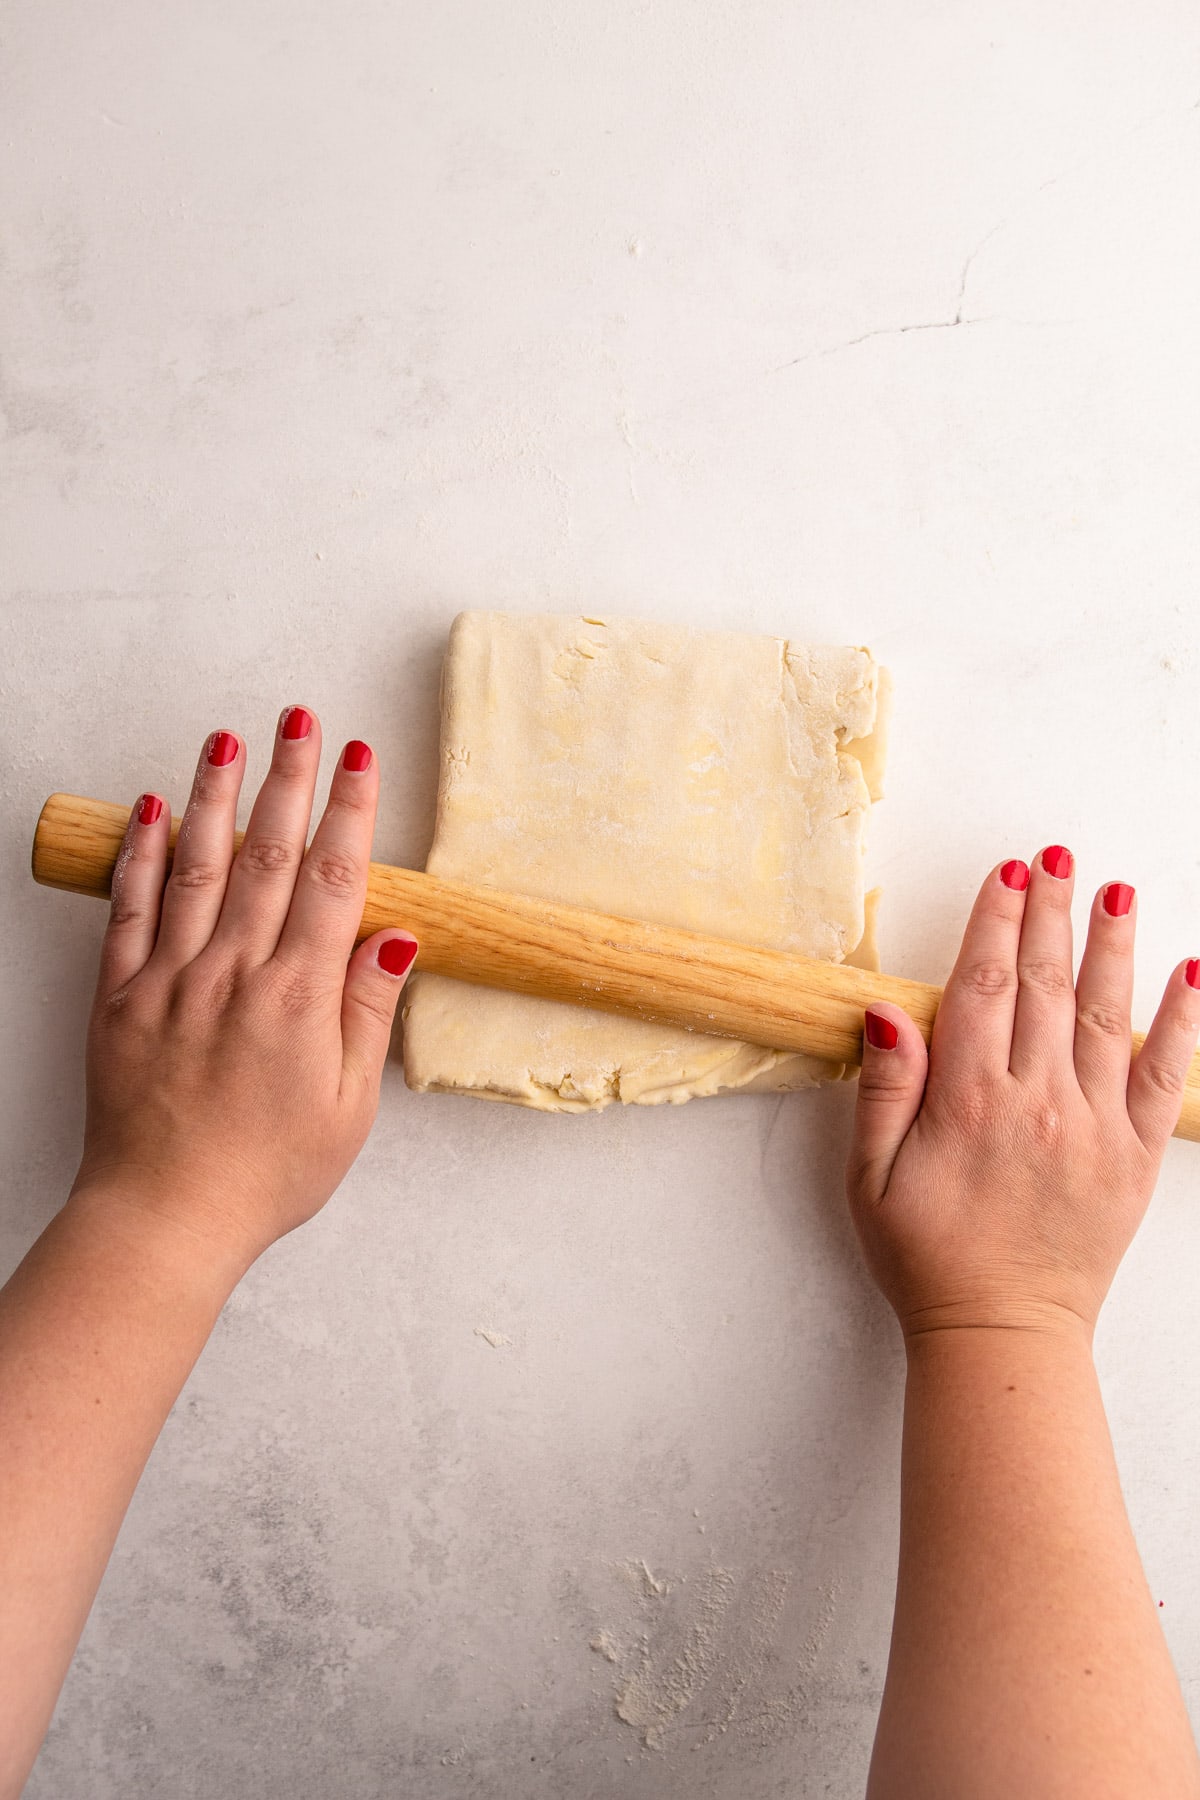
x=320, y=323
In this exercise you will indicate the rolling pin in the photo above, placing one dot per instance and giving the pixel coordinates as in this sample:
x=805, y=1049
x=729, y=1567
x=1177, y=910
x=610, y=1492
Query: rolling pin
x=528, y=946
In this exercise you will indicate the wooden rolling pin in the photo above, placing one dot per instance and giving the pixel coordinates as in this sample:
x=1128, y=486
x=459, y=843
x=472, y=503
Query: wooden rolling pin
x=530, y=946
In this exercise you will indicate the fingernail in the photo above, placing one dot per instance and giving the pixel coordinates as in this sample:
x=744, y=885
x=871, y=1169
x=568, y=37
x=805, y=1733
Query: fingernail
x=1193, y=972
x=149, y=809
x=1118, y=898
x=295, y=722
x=1058, y=861
x=881, y=1033
x=222, y=748
x=1015, y=875
x=356, y=756
x=397, y=955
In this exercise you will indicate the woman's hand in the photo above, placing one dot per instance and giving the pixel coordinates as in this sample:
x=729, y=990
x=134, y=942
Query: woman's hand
x=234, y=1055
x=999, y=1180
x=237, y=1038
x=995, y=1185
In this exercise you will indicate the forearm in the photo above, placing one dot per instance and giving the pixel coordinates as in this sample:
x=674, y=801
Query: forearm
x=99, y=1327
x=1026, y=1652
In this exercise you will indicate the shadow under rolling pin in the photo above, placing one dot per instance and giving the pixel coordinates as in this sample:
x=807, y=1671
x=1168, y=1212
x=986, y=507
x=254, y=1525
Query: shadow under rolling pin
x=527, y=946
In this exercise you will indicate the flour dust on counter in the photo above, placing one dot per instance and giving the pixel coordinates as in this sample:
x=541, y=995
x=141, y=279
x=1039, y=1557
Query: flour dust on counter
x=697, y=1659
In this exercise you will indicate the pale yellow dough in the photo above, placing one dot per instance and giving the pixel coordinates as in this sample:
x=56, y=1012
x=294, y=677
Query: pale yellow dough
x=713, y=780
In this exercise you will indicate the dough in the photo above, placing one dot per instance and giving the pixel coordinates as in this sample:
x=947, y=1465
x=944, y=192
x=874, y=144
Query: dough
x=712, y=780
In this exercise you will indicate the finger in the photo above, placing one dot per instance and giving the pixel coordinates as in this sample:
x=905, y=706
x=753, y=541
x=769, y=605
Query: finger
x=331, y=887
x=890, y=1085
x=972, y=1033
x=1104, y=995
x=263, y=877
x=376, y=974
x=1043, y=1034
x=1156, y=1080
x=191, y=903
x=137, y=886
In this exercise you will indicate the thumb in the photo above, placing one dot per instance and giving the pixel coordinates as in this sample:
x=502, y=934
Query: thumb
x=375, y=975
x=890, y=1086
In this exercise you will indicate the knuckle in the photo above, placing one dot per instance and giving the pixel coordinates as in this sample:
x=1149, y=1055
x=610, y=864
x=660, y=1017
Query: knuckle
x=333, y=871
x=293, y=999
x=118, y=1003
x=125, y=914
x=195, y=877
x=1176, y=1024
x=876, y=1084
x=376, y=1000
x=1164, y=1077
x=291, y=771
x=207, y=986
x=968, y=1110
x=977, y=1113
x=1043, y=1125
x=354, y=799
x=994, y=908
x=267, y=855
x=136, y=1001
x=988, y=980
x=295, y=994
x=210, y=793
x=293, y=988
x=1101, y=1017
x=1045, y=976
x=115, y=1005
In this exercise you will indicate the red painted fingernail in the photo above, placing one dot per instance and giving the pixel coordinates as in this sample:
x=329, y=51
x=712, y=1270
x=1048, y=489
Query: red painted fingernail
x=1193, y=972
x=1118, y=898
x=356, y=757
x=222, y=748
x=1015, y=875
x=296, y=723
x=397, y=955
x=881, y=1033
x=149, y=809
x=1058, y=861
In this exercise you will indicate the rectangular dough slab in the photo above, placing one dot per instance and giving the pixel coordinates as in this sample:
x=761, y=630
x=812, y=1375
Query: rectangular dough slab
x=712, y=780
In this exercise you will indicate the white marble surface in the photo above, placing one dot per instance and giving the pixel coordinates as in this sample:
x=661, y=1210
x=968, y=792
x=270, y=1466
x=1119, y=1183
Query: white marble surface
x=321, y=322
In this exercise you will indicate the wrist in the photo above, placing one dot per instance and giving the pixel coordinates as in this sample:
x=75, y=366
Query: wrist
x=169, y=1244
x=1035, y=1316
x=1029, y=1337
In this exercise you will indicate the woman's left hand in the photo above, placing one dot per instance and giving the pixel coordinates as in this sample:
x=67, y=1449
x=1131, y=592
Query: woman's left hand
x=237, y=1038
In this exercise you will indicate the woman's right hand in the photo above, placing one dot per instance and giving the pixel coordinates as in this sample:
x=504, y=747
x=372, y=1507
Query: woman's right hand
x=998, y=1179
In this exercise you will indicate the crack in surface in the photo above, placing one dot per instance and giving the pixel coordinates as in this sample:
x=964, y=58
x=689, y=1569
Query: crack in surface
x=886, y=331
x=960, y=302
x=921, y=325
x=966, y=270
